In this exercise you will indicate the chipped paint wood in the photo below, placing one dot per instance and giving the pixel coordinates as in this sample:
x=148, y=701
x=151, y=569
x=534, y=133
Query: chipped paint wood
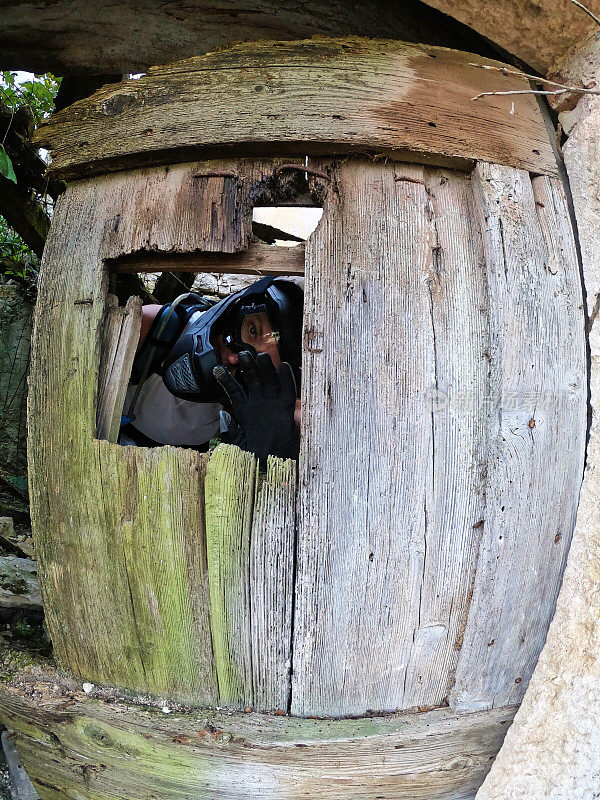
x=258, y=259
x=537, y=432
x=271, y=586
x=79, y=748
x=120, y=335
x=312, y=96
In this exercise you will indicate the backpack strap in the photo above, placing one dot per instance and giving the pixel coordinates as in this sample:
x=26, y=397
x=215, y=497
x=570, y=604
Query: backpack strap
x=165, y=330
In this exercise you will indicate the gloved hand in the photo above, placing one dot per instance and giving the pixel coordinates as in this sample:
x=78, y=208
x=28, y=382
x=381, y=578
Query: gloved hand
x=263, y=418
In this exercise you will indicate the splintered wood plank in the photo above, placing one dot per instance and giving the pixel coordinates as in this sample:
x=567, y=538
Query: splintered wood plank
x=537, y=420
x=105, y=517
x=271, y=585
x=311, y=96
x=230, y=486
x=454, y=502
x=74, y=747
x=119, y=342
x=260, y=258
x=179, y=209
x=366, y=448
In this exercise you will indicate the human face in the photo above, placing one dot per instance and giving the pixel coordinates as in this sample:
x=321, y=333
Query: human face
x=257, y=332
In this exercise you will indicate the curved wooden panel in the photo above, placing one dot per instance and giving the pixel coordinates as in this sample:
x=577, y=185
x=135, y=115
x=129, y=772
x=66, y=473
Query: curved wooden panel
x=315, y=96
x=79, y=748
x=120, y=531
x=445, y=402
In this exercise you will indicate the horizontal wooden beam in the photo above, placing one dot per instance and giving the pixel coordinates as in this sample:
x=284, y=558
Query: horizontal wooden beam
x=73, y=745
x=313, y=96
x=258, y=259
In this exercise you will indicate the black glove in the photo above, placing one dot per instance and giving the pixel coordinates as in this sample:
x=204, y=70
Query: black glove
x=263, y=420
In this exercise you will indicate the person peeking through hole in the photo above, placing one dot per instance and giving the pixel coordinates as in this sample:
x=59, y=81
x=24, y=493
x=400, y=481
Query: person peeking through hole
x=230, y=368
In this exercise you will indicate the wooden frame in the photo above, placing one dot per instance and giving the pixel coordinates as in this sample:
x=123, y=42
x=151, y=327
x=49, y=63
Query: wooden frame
x=387, y=98
x=76, y=746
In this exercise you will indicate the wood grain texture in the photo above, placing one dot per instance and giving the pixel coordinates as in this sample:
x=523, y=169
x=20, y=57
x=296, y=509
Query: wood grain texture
x=120, y=531
x=390, y=469
x=271, y=586
x=453, y=502
x=79, y=748
x=230, y=488
x=537, y=432
x=82, y=37
x=312, y=96
x=258, y=259
x=120, y=336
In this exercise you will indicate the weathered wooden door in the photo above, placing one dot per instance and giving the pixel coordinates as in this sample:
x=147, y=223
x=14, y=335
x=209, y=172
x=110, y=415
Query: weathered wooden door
x=442, y=445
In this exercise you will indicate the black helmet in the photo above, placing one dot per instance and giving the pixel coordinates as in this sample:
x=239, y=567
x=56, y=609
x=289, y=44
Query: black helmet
x=188, y=368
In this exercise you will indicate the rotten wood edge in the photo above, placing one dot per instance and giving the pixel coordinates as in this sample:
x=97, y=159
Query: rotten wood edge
x=59, y=729
x=366, y=96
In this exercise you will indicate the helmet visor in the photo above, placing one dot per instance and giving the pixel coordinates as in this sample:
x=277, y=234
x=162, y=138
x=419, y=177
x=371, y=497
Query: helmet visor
x=251, y=328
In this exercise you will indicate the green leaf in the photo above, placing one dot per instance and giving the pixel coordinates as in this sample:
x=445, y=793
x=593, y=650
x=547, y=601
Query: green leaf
x=6, y=167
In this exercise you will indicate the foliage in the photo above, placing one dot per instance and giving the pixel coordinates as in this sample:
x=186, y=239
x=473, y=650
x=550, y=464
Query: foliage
x=17, y=261
x=6, y=167
x=38, y=94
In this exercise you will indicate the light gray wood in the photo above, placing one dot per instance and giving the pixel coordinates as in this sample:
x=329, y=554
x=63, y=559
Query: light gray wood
x=537, y=432
x=259, y=258
x=311, y=96
x=271, y=586
x=80, y=748
x=454, y=501
x=366, y=446
x=120, y=336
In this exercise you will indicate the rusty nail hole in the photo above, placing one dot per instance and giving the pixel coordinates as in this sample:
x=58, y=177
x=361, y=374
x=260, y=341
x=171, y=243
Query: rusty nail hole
x=491, y=643
x=531, y=423
x=148, y=131
x=478, y=524
x=518, y=680
x=557, y=538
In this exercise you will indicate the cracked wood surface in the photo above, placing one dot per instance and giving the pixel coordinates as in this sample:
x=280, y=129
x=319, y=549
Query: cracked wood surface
x=120, y=336
x=411, y=102
x=78, y=747
x=414, y=328
x=443, y=437
x=537, y=431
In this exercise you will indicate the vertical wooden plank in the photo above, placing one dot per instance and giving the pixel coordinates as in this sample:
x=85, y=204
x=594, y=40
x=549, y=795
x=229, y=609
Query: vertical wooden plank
x=454, y=495
x=157, y=515
x=537, y=430
x=120, y=336
x=119, y=532
x=230, y=487
x=83, y=576
x=366, y=451
x=271, y=585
